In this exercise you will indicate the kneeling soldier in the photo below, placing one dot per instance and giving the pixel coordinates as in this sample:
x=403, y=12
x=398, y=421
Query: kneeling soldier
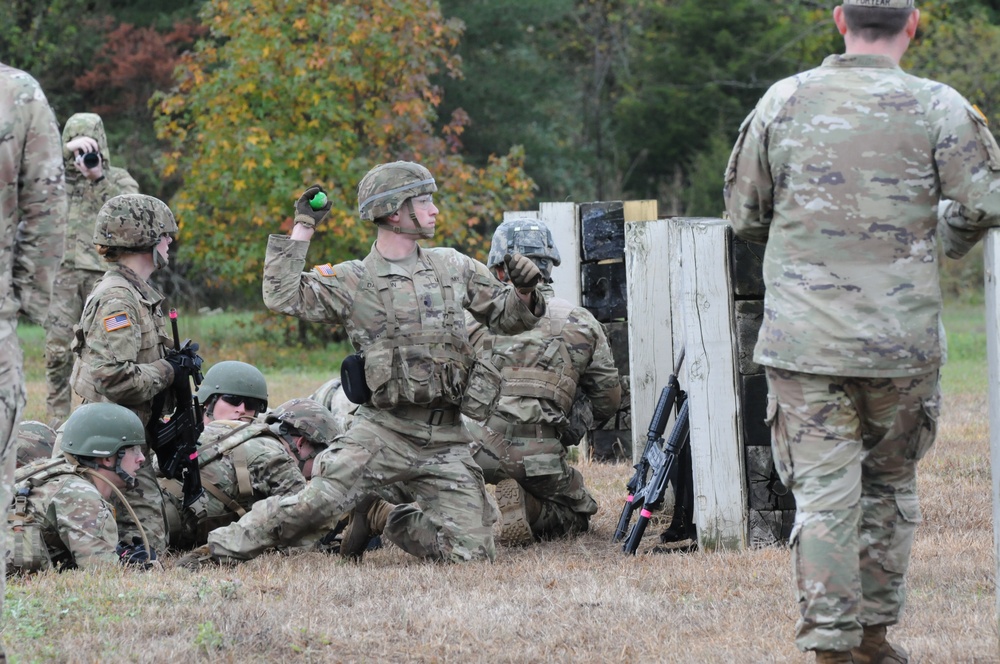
x=60, y=517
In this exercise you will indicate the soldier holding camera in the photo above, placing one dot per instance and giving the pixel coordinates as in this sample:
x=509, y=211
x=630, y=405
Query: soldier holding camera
x=90, y=181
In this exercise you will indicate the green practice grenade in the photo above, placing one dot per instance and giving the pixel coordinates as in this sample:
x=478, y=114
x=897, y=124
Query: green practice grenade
x=317, y=201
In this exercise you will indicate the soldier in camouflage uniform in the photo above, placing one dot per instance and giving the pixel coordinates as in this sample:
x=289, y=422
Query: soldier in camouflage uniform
x=88, y=187
x=540, y=495
x=121, y=341
x=32, y=225
x=402, y=309
x=840, y=170
x=35, y=440
x=242, y=460
x=61, y=516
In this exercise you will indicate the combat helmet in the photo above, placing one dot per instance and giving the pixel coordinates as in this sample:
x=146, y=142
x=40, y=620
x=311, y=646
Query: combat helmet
x=232, y=377
x=35, y=440
x=133, y=221
x=101, y=430
x=307, y=418
x=529, y=237
x=385, y=188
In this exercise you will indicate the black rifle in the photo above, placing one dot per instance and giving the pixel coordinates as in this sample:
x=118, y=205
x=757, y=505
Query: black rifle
x=176, y=439
x=663, y=467
x=669, y=397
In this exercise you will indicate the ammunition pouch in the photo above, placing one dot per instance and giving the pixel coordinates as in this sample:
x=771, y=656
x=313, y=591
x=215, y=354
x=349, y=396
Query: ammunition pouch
x=352, y=379
x=482, y=389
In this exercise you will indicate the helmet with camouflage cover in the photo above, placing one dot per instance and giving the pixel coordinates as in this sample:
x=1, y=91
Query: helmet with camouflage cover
x=35, y=440
x=385, y=188
x=232, y=377
x=307, y=418
x=133, y=221
x=528, y=237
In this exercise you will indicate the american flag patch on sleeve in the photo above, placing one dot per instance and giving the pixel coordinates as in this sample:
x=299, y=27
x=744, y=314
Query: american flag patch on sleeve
x=116, y=322
x=326, y=270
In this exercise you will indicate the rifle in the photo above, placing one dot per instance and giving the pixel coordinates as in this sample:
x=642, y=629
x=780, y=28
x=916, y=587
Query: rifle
x=664, y=469
x=176, y=439
x=669, y=397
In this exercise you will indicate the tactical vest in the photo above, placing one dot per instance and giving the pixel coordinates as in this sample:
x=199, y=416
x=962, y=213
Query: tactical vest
x=229, y=444
x=421, y=368
x=552, y=375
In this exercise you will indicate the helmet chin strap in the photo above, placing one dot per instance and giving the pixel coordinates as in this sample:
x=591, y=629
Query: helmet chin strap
x=159, y=262
x=418, y=230
x=120, y=472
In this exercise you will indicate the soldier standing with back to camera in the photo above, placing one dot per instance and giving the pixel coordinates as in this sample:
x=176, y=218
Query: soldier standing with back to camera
x=539, y=494
x=90, y=181
x=402, y=307
x=122, y=340
x=840, y=170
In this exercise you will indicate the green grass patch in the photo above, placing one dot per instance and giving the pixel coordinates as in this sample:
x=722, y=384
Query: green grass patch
x=966, y=370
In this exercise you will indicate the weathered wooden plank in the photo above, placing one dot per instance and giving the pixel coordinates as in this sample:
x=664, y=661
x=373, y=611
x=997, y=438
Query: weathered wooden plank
x=719, y=477
x=653, y=273
x=991, y=264
x=746, y=267
x=765, y=487
x=564, y=222
x=749, y=316
x=602, y=230
x=753, y=396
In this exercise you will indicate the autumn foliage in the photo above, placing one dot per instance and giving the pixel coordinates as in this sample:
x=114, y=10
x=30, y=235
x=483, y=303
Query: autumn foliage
x=282, y=94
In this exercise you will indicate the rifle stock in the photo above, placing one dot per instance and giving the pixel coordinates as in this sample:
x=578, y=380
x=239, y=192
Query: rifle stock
x=654, y=437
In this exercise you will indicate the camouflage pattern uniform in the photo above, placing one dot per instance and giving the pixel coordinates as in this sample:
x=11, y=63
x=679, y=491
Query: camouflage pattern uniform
x=81, y=265
x=121, y=342
x=331, y=396
x=542, y=369
x=75, y=524
x=840, y=170
x=253, y=466
x=409, y=325
x=32, y=225
x=35, y=440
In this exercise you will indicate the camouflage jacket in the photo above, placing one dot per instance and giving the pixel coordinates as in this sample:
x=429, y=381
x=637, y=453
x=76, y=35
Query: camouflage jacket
x=840, y=170
x=410, y=329
x=75, y=524
x=32, y=199
x=542, y=367
x=253, y=465
x=121, y=341
x=87, y=197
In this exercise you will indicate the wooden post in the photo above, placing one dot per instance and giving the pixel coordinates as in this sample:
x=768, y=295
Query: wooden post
x=720, y=509
x=564, y=222
x=991, y=264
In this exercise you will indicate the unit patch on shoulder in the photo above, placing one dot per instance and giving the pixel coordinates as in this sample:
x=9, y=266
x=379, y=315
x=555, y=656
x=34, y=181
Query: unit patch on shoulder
x=326, y=270
x=117, y=322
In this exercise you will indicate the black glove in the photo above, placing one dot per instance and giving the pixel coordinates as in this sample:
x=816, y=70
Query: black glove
x=186, y=362
x=135, y=554
x=305, y=214
x=523, y=272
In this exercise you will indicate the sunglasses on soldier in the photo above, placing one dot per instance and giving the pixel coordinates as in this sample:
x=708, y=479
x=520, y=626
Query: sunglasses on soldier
x=255, y=405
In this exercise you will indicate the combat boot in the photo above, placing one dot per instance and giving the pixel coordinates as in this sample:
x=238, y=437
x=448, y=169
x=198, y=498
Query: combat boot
x=833, y=657
x=518, y=510
x=875, y=649
x=367, y=520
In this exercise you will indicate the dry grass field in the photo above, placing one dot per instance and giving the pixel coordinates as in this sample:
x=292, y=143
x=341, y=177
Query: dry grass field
x=579, y=600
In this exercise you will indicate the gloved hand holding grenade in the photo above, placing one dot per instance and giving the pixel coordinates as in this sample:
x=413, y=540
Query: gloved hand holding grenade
x=312, y=207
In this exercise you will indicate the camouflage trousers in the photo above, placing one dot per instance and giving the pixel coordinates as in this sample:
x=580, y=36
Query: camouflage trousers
x=69, y=292
x=12, y=401
x=539, y=465
x=848, y=449
x=450, y=518
x=147, y=503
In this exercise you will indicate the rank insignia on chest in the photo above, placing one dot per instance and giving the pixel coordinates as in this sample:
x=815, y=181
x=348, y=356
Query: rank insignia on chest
x=117, y=322
x=326, y=270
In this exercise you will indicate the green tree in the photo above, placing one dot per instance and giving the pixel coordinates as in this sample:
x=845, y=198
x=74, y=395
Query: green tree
x=287, y=93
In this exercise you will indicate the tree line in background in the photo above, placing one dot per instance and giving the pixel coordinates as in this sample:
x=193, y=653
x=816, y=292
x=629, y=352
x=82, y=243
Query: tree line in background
x=228, y=108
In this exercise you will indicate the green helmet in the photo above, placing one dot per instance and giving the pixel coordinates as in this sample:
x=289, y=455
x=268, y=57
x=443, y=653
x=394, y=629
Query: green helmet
x=528, y=237
x=307, y=418
x=133, y=221
x=385, y=188
x=232, y=377
x=35, y=440
x=101, y=430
